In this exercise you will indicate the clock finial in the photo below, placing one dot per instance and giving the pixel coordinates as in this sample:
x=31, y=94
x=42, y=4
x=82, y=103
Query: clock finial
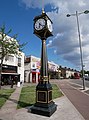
x=43, y=10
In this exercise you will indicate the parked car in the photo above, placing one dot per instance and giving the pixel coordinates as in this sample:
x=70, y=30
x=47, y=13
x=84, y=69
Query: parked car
x=86, y=78
x=76, y=75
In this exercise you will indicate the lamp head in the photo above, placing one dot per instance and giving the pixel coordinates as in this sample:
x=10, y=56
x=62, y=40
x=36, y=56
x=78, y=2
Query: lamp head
x=68, y=15
x=86, y=11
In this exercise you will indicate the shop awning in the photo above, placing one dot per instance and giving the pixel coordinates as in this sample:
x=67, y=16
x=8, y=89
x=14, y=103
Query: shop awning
x=10, y=74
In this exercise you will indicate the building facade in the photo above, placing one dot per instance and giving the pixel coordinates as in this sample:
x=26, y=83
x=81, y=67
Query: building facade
x=32, y=69
x=68, y=73
x=12, y=68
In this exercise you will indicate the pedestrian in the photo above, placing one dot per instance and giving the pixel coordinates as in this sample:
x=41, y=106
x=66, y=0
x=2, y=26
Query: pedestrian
x=12, y=81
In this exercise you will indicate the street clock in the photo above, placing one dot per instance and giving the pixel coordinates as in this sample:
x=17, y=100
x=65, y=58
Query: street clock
x=43, y=26
x=44, y=104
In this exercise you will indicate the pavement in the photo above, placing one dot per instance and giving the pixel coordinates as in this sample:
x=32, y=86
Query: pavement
x=71, y=106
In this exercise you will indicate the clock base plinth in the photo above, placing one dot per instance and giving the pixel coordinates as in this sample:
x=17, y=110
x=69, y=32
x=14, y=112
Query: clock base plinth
x=44, y=104
x=45, y=111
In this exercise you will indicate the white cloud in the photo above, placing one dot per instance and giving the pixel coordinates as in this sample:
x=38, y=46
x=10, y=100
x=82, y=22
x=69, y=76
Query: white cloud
x=50, y=42
x=55, y=51
x=37, y=3
x=65, y=40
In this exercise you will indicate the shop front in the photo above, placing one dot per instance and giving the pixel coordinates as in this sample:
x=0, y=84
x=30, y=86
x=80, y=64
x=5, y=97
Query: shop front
x=8, y=78
x=9, y=75
x=35, y=76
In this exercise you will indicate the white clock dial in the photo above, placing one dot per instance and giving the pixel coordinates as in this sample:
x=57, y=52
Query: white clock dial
x=40, y=24
x=49, y=24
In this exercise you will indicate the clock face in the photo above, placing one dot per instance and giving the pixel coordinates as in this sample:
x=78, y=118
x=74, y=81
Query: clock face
x=49, y=24
x=40, y=24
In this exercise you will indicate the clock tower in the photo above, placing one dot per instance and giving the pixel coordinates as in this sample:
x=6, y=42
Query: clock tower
x=44, y=104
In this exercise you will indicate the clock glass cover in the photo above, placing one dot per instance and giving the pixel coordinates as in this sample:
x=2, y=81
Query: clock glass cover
x=49, y=24
x=40, y=24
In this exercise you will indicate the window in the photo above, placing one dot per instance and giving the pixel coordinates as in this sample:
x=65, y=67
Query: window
x=33, y=65
x=19, y=62
x=10, y=58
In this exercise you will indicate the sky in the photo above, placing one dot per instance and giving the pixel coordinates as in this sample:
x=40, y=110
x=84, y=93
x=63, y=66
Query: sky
x=63, y=47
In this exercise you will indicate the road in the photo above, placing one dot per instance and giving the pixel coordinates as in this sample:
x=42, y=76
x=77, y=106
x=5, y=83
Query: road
x=80, y=82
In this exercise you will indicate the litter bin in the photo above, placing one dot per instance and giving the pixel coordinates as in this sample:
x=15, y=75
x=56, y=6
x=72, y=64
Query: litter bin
x=18, y=84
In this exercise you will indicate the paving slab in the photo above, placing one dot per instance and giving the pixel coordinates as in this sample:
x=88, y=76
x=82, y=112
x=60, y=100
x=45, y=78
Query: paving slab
x=65, y=111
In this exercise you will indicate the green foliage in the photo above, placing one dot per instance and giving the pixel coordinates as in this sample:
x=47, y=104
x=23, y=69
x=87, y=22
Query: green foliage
x=85, y=72
x=27, y=96
x=56, y=92
x=4, y=95
x=9, y=45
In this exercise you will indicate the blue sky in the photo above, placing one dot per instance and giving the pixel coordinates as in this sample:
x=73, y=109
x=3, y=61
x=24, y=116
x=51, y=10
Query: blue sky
x=62, y=48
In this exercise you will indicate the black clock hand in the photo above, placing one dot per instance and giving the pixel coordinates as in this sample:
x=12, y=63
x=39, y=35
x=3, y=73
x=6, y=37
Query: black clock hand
x=41, y=25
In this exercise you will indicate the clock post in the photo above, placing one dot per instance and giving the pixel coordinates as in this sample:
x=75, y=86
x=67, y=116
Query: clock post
x=44, y=104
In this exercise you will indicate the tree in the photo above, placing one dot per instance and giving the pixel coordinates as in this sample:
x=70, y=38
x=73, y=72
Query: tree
x=8, y=45
x=86, y=72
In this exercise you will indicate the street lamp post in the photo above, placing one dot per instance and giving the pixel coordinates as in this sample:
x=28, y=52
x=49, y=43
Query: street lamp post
x=81, y=55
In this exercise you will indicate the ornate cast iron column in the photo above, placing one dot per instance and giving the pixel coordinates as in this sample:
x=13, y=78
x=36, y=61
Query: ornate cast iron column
x=44, y=63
